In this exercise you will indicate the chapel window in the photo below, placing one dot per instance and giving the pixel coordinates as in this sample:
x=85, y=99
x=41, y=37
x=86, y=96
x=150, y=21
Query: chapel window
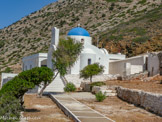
x=82, y=40
x=26, y=68
x=89, y=61
x=30, y=66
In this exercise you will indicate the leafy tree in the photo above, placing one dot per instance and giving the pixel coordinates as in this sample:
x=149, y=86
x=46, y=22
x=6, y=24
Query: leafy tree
x=46, y=75
x=17, y=87
x=26, y=80
x=11, y=94
x=37, y=76
x=65, y=55
x=91, y=70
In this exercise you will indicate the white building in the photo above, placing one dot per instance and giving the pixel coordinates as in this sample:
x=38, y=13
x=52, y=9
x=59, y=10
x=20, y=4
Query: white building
x=6, y=77
x=36, y=60
x=113, y=63
x=129, y=66
x=89, y=55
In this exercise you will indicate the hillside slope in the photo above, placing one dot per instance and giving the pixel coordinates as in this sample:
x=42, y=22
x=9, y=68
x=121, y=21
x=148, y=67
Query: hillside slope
x=118, y=25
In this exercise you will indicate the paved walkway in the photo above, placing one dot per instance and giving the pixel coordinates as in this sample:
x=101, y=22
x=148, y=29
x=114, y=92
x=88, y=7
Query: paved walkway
x=78, y=111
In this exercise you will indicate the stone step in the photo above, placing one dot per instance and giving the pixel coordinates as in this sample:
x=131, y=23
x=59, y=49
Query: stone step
x=56, y=86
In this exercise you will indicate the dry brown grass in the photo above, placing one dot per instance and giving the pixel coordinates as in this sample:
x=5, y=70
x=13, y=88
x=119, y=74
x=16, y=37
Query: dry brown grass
x=150, y=86
x=43, y=108
x=121, y=111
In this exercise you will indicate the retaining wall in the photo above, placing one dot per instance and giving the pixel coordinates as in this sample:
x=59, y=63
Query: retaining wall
x=150, y=101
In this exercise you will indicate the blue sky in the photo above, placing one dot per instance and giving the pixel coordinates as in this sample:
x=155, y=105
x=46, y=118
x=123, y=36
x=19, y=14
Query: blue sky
x=13, y=10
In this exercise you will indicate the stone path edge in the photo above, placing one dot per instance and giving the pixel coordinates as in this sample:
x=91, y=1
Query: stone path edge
x=64, y=109
x=69, y=113
x=95, y=111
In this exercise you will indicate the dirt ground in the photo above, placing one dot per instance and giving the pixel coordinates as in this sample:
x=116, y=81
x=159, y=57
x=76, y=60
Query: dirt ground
x=150, y=86
x=43, y=110
x=121, y=111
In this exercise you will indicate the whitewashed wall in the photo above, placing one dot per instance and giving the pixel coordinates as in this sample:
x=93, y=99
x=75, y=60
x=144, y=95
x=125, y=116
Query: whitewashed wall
x=5, y=77
x=119, y=67
x=136, y=69
x=95, y=54
x=32, y=61
x=153, y=64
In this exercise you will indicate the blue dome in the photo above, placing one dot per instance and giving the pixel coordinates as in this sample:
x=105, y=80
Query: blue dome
x=78, y=31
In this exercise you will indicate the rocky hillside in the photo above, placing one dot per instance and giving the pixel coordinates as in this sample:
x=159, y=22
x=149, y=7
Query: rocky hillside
x=129, y=26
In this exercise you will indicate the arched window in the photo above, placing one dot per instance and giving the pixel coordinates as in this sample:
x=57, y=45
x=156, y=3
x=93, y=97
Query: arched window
x=82, y=40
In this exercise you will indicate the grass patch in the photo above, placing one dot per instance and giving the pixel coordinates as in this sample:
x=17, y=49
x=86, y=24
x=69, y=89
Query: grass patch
x=97, y=84
x=142, y=2
x=141, y=39
x=116, y=38
x=137, y=30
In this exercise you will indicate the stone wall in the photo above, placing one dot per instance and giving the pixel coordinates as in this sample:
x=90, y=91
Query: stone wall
x=138, y=76
x=150, y=101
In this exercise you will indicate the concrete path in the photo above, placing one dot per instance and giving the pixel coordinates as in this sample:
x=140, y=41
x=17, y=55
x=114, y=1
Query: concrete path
x=78, y=111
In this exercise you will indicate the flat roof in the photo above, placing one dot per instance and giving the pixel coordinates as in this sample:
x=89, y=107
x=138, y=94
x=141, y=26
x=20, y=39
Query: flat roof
x=35, y=56
x=131, y=58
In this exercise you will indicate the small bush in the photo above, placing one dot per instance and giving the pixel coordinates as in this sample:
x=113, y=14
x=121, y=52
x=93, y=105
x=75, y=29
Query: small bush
x=161, y=82
x=100, y=96
x=97, y=84
x=141, y=39
x=7, y=70
x=10, y=108
x=142, y=2
x=70, y=87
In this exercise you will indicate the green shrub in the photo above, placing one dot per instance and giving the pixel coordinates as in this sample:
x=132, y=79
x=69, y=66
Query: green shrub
x=7, y=70
x=2, y=43
x=17, y=87
x=112, y=0
x=142, y=2
x=37, y=75
x=141, y=39
x=70, y=87
x=97, y=84
x=10, y=108
x=103, y=15
x=100, y=96
x=26, y=80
